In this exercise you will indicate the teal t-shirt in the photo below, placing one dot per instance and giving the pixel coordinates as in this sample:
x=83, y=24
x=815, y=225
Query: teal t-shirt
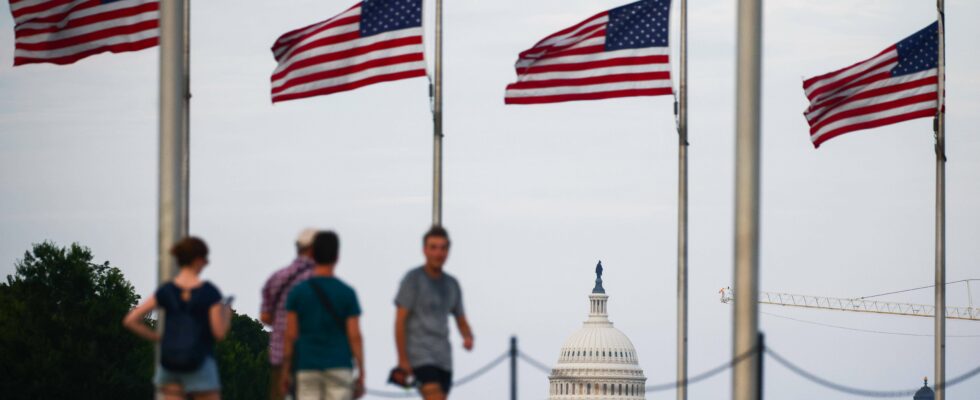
x=322, y=343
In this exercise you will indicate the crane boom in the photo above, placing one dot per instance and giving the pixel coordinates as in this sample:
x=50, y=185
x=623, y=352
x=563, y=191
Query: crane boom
x=857, y=305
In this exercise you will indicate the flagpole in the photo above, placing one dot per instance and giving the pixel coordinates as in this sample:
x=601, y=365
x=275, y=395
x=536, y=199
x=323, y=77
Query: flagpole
x=745, y=375
x=437, y=123
x=173, y=183
x=940, y=126
x=185, y=134
x=174, y=123
x=174, y=158
x=682, y=213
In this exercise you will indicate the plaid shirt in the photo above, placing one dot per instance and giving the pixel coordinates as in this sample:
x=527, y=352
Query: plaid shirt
x=274, y=295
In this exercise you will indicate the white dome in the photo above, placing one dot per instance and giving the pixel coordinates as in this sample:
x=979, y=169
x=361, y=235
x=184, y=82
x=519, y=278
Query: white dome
x=598, y=361
x=598, y=343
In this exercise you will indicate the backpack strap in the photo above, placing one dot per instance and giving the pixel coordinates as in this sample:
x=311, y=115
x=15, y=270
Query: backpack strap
x=175, y=295
x=325, y=302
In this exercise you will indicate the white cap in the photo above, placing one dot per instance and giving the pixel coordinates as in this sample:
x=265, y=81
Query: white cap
x=305, y=238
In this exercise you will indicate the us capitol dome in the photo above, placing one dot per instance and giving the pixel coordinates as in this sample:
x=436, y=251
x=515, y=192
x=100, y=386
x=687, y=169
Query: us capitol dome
x=598, y=361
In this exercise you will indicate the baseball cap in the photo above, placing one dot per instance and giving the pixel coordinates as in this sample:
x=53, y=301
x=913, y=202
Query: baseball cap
x=305, y=238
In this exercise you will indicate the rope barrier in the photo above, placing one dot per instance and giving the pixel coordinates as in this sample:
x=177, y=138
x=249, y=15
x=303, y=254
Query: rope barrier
x=410, y=393
x=792, y=367
x=668, y=385
x=704, y=375
x=407, y=394
x=480, y=372
x=534, y=363
x=862, y=392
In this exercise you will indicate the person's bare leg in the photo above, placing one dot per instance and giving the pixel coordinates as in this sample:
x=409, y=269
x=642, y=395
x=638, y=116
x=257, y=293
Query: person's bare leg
x=172, y=391
x=215, y=395
x=432, y=391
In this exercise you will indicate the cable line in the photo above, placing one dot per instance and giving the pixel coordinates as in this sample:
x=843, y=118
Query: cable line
x=914, y=289
x=863, y=330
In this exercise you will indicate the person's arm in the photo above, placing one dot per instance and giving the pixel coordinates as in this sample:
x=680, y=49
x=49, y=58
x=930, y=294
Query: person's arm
x=401, y=342
x=357, y=349
x=292, y=332
x=134, y=321
x=219, y=315
x=266, y=318
x=266, y=309
x=461, y=322
x=464, y=330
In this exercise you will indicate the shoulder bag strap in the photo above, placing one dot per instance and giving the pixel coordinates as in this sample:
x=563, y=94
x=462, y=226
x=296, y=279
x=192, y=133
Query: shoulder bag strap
x=282, y=289
x=325, y=301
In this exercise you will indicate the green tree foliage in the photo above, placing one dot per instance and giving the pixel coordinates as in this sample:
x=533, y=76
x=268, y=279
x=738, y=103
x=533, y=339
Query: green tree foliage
x=60, y=330
x=243, y=360
x=61, y=335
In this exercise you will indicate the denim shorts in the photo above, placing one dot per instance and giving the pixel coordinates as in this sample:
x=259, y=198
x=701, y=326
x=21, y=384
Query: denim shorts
x=204, y=379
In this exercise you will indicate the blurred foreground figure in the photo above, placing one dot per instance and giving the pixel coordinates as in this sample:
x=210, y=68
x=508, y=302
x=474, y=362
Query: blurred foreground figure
x=194, y=318
x=273, y=310
x=426, y=297
x=323, y=334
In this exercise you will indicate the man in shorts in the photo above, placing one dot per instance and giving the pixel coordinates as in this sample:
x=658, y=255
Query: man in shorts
x=426, y=297
x=274, y=306
x=323, y=334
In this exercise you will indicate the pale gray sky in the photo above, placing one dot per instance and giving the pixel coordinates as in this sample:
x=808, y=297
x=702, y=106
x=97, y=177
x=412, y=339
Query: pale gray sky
x=534, y=195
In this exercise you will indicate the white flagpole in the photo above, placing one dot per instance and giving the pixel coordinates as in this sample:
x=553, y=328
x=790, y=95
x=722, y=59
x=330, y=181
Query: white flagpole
x=174, y=132
x=940, y=321
x=746, y=382
x=682, y=212
x=437, y=123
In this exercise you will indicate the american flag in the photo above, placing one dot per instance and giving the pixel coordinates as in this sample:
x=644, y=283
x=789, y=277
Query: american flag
x=898, y=84
x=618, y=53
x=65, y=31
x=374, y=41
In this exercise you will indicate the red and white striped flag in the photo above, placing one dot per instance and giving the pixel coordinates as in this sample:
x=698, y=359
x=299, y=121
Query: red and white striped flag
x=374, y=41
x=65, y=31
x=898, y=84
x=618, y=53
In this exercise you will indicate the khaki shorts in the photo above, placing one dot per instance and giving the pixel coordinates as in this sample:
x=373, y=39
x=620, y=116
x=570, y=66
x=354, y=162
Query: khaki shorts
x=328, y=384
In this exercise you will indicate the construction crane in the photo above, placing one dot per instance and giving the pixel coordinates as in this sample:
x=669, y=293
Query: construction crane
x=857, y=305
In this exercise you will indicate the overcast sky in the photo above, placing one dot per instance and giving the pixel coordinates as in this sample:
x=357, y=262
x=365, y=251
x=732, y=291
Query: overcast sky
x=534, y=195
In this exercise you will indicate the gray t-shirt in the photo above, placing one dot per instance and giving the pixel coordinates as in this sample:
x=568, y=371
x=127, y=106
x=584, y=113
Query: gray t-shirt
x=429, y=302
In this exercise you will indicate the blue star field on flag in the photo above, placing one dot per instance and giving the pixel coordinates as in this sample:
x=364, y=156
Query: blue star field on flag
x=918, y=52
x=372, y=42
x=898, y=84
x=380, y=16
x=638, y=25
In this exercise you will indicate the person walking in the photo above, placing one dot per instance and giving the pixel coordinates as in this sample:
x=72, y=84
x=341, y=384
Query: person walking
x=273, y=309
x=426, y=297
x=194, y=318
x=323, y=334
